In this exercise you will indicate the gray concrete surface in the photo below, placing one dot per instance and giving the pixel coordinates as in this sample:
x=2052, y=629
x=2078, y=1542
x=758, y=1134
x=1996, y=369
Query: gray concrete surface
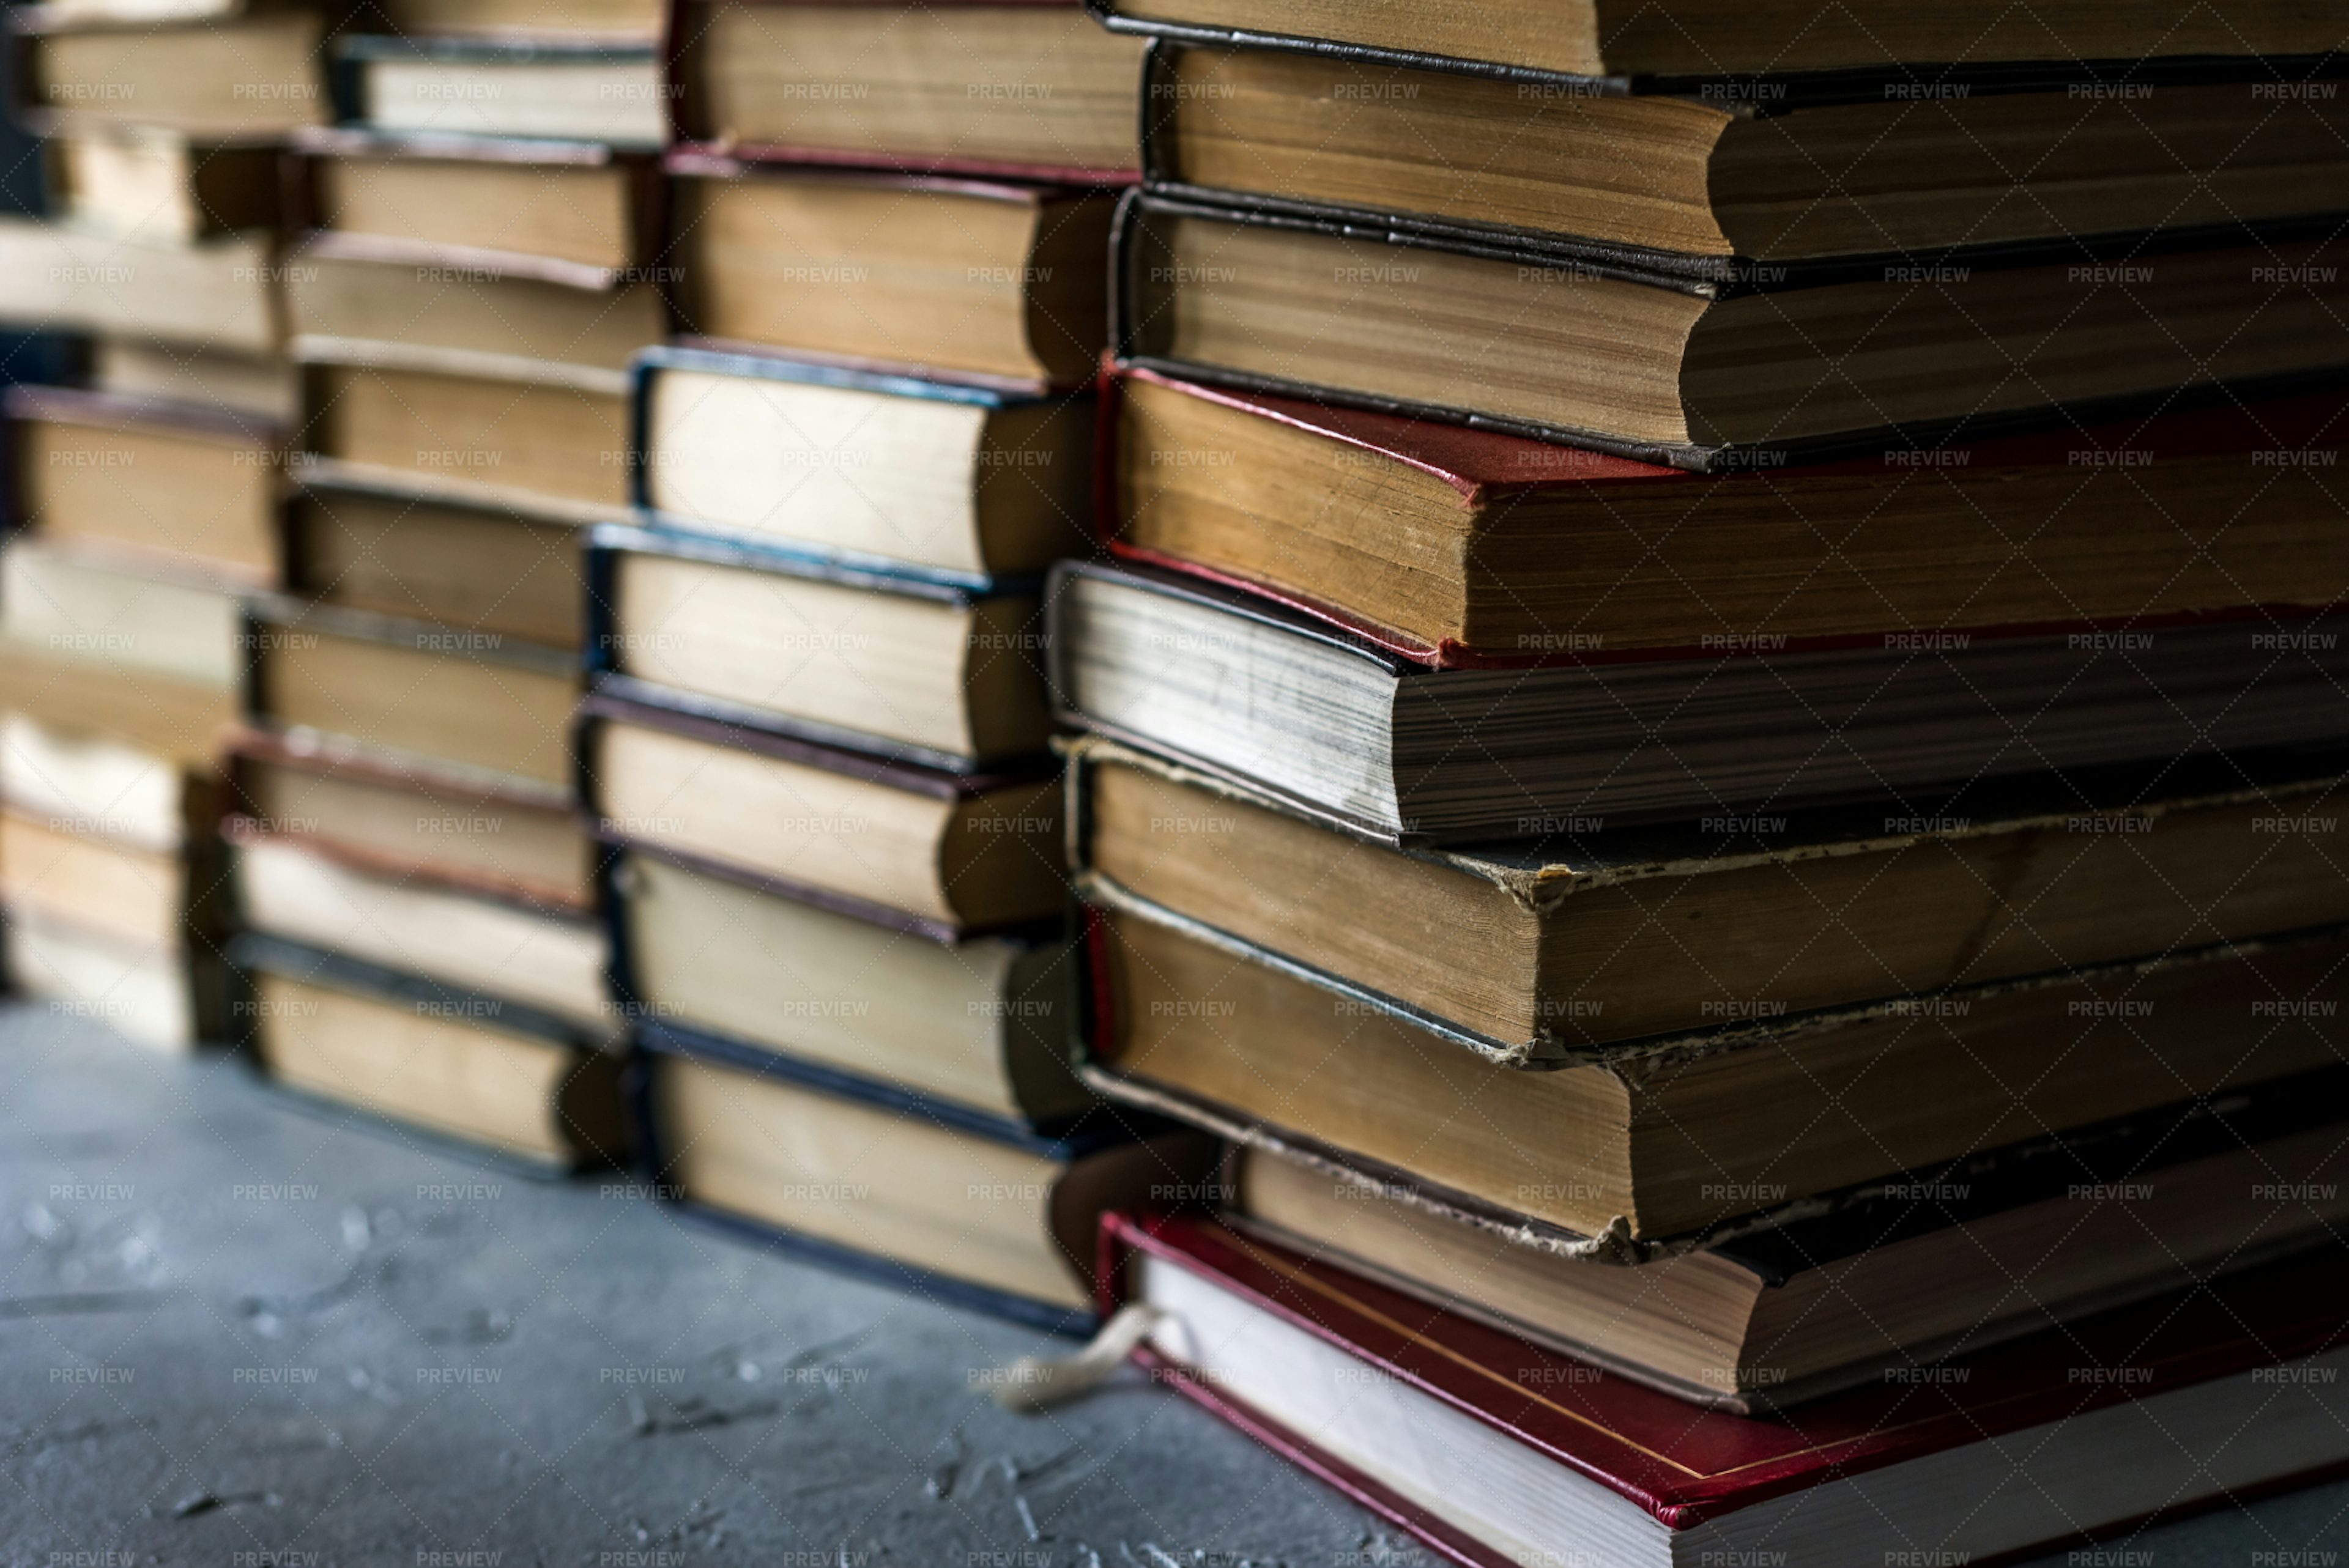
x=236, y=1334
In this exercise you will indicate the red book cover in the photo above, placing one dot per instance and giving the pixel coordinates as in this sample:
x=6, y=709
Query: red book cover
x=1486, y=467
x=690, y=134
x=1685, y=1465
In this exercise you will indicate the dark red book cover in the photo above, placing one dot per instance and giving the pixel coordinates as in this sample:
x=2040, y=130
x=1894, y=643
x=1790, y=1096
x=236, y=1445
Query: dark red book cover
x=1685, y=1464
x=691, y=137
x=1488, y=467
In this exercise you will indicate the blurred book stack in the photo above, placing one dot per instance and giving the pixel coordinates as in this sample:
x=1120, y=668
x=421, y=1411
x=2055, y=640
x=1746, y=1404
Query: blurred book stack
x=1716, y=735
x=818, y=737
x=147, y=493
x=476, y=259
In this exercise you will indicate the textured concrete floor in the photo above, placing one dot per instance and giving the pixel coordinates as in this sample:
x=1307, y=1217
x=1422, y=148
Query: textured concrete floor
x=236, y=1334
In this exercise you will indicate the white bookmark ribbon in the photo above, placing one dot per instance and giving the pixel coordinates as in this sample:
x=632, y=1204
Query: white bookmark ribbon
x=1036, y=1383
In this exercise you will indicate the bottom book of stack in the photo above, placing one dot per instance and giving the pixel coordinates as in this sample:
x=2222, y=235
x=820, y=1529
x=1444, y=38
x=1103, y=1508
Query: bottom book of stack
x=952, y=1204
x=1494, y=1451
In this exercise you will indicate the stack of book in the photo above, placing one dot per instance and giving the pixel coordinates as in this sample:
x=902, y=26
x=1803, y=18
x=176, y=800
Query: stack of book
x=817, y=743
x=1715, y=742
x=477, y=260
x=146, y=494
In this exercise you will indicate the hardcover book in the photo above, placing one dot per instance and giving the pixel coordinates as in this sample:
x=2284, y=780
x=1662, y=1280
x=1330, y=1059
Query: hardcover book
x=1720, y=181
x=354, y=301
x=362, y=541
x=1762, y=370
x=1020, y=89
x=214, y=297
x=160, y=481
x=477, y=703
x=252, y=71
x=123, y=614
x=1494, y=1451
x=1882, y=1285
x=1541, y=949
x=1661, y=1144
x=1457, y=546
x=956, y=1207
x=303, y=888
x=1639, y=46
x=898, y=663
x=576, y=90
x=986, y=282
x=404, y=820
x=970, y=485
x=485, y=1070
x=1350, y=730
x=981, y=1021
x=934, y=852
x=579, y=213
x=490, y=428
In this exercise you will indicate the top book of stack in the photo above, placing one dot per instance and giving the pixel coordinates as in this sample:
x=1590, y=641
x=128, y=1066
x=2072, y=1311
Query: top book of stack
x=1000, y=89
x=1643, y=44
x=1775, y=240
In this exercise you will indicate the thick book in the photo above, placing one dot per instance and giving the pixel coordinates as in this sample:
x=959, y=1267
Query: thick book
x=1544, y=948
x=404, y=820
x=157, y=478
x=1637, y=45
x=216, y=297
x=254, y=72
x=1494, y=1451
x=477, y=703
x=1350, y=730
x=1458, y=546
x=480, y=208
x=981, y=1020
x=980, y=281
x=578, y=89
x=933, y=852
x=1665, y=1143
x=491, y=428
x=484, y=1070
x=124, y=613
x=965, y=483
x=353, y=301
x=958, y=1208
x=304, y=888
x=1876, y=1289
x=1779, y=365
x=1717, y=183
x=1018, y=90
x=363, y=540
x=901, y=664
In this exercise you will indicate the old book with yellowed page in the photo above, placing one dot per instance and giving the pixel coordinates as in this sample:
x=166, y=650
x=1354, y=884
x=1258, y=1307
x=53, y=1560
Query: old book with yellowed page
x=1662, y=1143
x=481, y=1069
x=1543, y=948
